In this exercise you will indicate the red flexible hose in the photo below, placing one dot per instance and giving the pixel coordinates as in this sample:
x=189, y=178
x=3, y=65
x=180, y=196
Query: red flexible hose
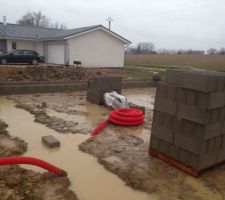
x=122, y=116
x=32, y=161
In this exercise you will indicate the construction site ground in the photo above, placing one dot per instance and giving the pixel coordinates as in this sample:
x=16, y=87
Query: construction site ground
x=121, y=150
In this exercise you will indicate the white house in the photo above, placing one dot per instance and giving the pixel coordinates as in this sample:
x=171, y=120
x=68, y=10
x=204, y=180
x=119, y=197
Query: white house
x=94, y=46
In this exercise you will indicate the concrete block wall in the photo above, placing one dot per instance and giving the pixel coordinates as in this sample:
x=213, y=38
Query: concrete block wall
x=98, y=86
x=189, y=117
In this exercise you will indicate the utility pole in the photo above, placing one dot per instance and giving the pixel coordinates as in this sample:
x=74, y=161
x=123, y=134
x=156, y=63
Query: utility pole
x=110, y=20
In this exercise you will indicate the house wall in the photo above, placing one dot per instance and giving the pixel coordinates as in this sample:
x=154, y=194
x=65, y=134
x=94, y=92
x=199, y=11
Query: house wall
x=2, y=46
x=26, y=44
x=96, y=49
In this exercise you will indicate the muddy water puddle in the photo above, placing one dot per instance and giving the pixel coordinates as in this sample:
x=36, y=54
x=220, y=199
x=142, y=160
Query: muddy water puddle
x=142, y=97
x=90, y=180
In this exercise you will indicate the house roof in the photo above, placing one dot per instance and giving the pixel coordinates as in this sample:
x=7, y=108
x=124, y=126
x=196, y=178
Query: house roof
x=17, y=31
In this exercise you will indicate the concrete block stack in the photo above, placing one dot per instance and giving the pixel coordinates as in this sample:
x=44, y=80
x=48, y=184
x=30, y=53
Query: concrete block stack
x=189, y=118
x=98, y=86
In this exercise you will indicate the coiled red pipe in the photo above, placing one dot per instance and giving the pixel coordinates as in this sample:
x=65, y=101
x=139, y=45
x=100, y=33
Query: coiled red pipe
x=32, y=161
x=122, y=116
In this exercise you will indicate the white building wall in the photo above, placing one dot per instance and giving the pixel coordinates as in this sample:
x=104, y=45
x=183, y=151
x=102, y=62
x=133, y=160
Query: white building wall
x=26, y=44
x=96, y=49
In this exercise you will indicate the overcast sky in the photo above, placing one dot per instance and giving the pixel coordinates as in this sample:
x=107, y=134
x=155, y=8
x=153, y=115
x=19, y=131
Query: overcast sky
x=174, y=24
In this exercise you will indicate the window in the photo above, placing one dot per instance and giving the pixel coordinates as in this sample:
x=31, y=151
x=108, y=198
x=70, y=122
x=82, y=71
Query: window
x=18, y=52
x=13, y=45
x=27, y=52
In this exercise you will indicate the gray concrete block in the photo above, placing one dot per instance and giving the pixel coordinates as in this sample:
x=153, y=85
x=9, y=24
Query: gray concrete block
x=182, y=95
x=189, y=143
x=216, y=100
x=50, y=141
x=211, y=145
x=174, y=151
x=161, y=90
x=196, y=79
x=211, y=100
x=191, y=97
x=220, y=155
x=158, y=118
x=164, y=147
x=188, y=127
x=194, y=113
x=171, y=92
x=165, y=105
x=168, y=121
x=212, y=130
x=154, y=142
x=203, y=161
x=163, y=133
x=215, y=115
x=184, y=156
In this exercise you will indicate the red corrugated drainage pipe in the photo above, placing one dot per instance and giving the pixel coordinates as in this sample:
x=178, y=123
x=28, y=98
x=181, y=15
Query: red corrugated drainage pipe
x=32, y=161
x=122, y=116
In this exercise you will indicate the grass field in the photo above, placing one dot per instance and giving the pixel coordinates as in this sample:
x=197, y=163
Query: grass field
x=162, y=62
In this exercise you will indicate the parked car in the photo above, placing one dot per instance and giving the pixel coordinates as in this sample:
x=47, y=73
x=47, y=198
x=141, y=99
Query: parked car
x=21, y=56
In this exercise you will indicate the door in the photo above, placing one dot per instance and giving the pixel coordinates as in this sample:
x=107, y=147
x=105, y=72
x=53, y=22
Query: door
x=56, y=54
x=16, y=57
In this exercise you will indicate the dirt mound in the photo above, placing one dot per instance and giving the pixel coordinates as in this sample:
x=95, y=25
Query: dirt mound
x=28, y=185
x=45, y=73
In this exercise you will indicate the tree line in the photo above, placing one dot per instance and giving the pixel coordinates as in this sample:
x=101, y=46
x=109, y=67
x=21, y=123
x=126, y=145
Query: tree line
x=149, y=48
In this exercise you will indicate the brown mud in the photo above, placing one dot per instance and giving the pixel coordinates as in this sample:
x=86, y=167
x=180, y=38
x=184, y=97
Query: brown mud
x=124, y=150
x=17, y=183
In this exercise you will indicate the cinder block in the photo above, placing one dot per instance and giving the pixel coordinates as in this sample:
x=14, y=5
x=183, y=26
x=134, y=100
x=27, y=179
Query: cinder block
x=196, y=79
x=220, y=155
x=161, y=90
x=184, y=156
x=203, y=161
x=174, y=151
x=194, y=113
x=164, y=147
x=50, y=141
x=171, y=92
x=215, y=115
x=168, y=121
x=163, y=133
x=182, y=95
x=97, y=86
x=191, y=97
x=189, y=143
x=154, y=142
x=158, y=118
x=165, y=105
x=188, y=127
x=208, y=131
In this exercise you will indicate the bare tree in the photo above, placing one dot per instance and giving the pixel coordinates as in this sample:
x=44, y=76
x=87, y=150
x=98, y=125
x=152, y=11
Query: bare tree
x=222, y=51
x=145, y=47
x=38, y=19
x=57, y=25
x=211, y=51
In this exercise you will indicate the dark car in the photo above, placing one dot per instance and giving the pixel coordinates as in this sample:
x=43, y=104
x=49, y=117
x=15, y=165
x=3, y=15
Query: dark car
x=21, y=56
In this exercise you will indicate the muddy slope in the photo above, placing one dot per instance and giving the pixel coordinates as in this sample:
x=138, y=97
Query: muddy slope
x=18, y=183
